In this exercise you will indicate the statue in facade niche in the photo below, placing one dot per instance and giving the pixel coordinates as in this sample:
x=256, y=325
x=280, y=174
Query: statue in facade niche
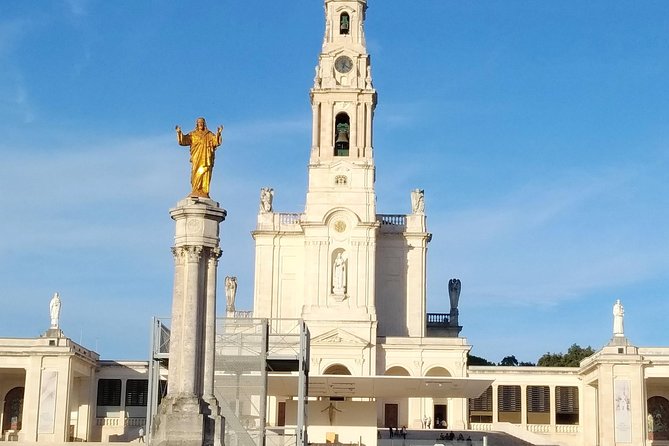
x=203, y=144
x=339, y=274
x=266, y=198
x=454, y=292
x=618, y=314
x=230, y=292
x=418, y=201
x=54, y=310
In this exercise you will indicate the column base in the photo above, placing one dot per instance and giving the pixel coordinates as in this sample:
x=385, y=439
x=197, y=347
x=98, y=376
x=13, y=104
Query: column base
x=187, y=421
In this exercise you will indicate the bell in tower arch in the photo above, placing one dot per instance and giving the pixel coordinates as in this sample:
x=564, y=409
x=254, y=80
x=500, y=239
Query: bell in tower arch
x=342, y=139
x=344, y=23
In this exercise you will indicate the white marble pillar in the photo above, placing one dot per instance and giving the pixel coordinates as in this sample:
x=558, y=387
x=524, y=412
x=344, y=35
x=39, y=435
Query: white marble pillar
x=189, y=414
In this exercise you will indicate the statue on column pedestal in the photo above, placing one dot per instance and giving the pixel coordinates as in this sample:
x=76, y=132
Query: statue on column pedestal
x=618, y=314
x=54, y=310
x=418, y=201
x=266, y=198
x=203, y=144
x=230, y=293
x=454, y=286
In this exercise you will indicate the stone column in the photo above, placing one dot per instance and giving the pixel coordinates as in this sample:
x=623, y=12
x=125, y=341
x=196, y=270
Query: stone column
x=210, y=326
x=189, y=415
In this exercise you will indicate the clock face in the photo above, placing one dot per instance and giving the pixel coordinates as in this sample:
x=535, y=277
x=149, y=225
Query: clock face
x=343, y=64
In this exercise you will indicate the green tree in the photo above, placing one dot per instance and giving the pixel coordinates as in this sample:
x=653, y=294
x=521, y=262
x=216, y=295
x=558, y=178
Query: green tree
x=575, y=354
x=526, y=364
x=509, y=361
x=477, y=360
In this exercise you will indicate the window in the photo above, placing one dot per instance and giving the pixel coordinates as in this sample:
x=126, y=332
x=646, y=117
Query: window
x=538, y=399
x=109, y=392
x=136, y=392
x=508, y=404
x=480, y=409
x=566, y=405
x=538, y=405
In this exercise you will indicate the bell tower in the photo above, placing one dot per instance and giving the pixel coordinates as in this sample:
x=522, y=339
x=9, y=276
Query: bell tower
x=343, y=100
x=320, y=264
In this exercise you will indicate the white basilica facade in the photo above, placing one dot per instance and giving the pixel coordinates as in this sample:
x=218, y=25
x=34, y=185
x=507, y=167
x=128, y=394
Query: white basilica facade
x=357, y=278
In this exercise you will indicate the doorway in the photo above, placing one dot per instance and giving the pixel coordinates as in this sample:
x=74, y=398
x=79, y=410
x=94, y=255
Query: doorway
x=391, y=415
x=440, y=416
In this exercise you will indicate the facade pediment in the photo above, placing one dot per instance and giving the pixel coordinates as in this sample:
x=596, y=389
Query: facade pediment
x=338, y=336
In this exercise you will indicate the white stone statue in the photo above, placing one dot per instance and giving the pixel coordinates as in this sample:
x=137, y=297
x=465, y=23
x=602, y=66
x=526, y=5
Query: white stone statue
x=54, y=310
x=339, y=274
x=266, y=198
x=230, y=293
x=317, y=77
x=618, y=313
x=418, y=201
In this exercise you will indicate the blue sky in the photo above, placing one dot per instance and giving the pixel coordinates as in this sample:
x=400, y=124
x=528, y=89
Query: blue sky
x=539, y=131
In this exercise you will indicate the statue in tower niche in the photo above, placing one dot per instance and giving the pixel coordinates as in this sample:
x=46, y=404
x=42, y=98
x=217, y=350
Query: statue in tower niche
x=454, y=292
x=54, y=310
x=339, y=274
x=266, y=198
x=418, y=201
x=618, y=314
x=230, y=293
x=203, y=144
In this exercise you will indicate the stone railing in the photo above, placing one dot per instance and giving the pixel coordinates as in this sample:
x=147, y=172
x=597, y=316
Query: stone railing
x=108, y=421
x=567, y=429
x=392, y=219
x=534, y=428
x=438, y=318
x=118, y=421
x=286, y=218
x=392, y=223
x=539, y=428
x=244, y=314
x=480, y=426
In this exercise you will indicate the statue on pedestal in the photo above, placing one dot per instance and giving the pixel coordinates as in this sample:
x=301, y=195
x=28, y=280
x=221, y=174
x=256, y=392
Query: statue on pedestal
x=418, y=201
x=203, y=144
x=54, y=310
x=339, y=274
x=266, y=198
x=230, y=293
x=454, y=292
x=618, y=314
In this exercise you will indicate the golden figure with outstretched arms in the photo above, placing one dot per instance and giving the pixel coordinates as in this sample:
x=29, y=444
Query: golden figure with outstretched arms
x=203, y=144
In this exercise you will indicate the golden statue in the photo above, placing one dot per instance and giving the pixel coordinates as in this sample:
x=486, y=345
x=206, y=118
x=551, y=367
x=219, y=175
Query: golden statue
x=203, y=144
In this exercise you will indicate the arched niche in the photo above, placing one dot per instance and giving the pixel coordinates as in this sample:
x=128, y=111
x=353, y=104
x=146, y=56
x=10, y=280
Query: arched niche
x=438, y=371
x=13, y=409
x=337, y=369
x=397, y=371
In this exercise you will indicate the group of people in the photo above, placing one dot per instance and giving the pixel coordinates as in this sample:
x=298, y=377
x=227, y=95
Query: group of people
x=398, y=432
x=438, y=423
x=450, y=436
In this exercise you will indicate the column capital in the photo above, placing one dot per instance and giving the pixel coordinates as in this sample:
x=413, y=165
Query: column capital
x=193, y=253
